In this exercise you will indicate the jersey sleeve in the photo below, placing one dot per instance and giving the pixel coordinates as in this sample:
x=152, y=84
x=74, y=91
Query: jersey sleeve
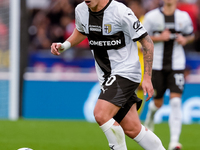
x=79, y=26
x=132, y=26
x=188, y=26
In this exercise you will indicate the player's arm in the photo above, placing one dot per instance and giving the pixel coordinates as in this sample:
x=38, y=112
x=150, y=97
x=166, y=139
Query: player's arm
x=183, y=40
x=148, y=49
x=162, y=37
x=187, y=31
x=75, y=38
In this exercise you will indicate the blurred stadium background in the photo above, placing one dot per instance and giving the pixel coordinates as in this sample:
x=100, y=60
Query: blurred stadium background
x=46, y=101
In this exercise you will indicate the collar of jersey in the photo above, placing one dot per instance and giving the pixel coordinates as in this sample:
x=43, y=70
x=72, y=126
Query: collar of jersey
x=101, y=11
x=161, y=10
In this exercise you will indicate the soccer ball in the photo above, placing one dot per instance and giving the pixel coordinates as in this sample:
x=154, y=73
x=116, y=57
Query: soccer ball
x=25, y=149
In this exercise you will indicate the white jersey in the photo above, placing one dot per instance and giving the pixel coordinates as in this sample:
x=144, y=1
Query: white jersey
x=111, y=33
x=168, y=55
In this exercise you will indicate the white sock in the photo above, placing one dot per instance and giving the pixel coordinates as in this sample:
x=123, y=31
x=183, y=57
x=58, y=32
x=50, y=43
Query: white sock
x=175, y=119
x=152, y=108
x=148, y=140
x=149, y=122
x=115, y=135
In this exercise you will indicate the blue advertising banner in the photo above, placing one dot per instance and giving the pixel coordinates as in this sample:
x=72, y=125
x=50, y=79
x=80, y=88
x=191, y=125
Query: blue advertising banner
x=76, y=100
x=55, y=100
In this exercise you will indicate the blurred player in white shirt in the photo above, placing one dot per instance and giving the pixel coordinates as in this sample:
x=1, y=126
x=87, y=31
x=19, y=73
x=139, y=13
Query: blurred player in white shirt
x=170, y=29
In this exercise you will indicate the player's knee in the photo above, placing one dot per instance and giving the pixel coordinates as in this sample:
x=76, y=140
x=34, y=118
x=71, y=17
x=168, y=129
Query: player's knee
x=158, y=102
x=133, y=131
x=100, y=118
x=175, y=102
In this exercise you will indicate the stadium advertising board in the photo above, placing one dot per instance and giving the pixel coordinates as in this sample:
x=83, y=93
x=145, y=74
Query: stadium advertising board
x=76, y=100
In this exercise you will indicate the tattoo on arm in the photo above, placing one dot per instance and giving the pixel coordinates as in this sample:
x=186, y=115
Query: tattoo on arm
x=148, y=49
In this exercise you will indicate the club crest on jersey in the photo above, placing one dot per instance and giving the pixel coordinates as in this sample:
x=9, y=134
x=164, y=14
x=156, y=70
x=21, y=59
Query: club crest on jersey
x=107, y=28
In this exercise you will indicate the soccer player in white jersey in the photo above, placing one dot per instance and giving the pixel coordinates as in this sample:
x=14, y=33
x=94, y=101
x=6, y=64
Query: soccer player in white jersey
x=170, y=29
x=112, y=30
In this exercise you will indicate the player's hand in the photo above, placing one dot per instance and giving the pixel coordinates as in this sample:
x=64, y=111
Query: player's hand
x=181, y=39
x=165, y=35
x=147, y=87
x=54, y=48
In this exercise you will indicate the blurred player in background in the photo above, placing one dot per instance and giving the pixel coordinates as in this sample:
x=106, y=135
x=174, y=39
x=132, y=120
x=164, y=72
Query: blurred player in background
x=170, y=29
x=112, y=30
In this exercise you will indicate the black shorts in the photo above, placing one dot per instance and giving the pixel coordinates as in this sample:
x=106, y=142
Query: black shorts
x=172, y=80
x=120, y=92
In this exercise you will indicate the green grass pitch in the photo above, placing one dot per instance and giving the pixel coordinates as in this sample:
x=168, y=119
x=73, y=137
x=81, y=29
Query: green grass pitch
x=77, y=135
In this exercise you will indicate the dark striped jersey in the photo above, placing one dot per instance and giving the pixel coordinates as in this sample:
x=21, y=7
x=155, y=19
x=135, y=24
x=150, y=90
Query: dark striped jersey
x=168, y=55
x=111, y=33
